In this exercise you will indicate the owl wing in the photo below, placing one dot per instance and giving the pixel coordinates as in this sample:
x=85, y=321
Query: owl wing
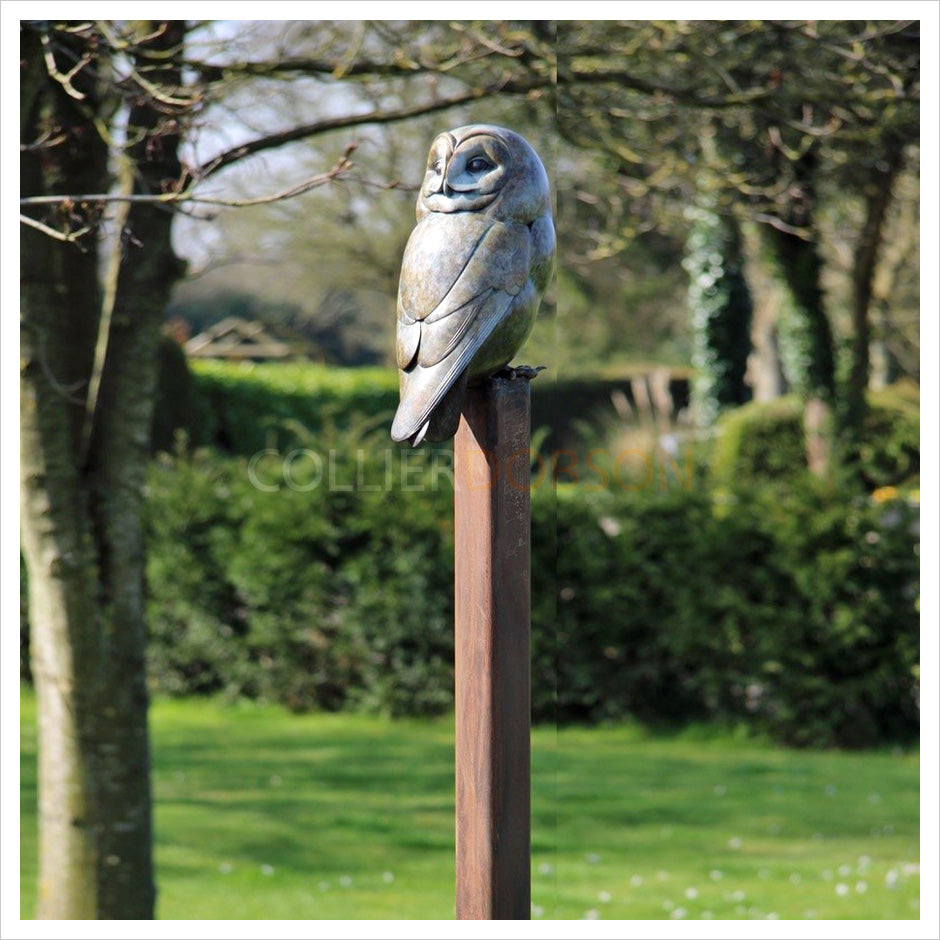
x=460, y=274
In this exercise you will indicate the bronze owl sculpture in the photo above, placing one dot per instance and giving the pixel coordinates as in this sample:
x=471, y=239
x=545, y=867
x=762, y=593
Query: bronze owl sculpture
x=473, y=273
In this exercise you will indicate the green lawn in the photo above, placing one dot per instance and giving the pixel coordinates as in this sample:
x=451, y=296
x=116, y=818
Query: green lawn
x=262, y=814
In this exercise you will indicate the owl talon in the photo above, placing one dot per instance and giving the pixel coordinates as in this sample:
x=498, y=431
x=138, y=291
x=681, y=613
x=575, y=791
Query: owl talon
x=518, y=372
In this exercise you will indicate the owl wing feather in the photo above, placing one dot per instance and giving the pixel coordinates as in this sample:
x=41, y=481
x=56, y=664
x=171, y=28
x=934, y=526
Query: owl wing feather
x=481, y=265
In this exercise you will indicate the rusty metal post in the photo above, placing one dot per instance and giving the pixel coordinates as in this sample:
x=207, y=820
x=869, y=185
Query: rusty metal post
x=492, y=702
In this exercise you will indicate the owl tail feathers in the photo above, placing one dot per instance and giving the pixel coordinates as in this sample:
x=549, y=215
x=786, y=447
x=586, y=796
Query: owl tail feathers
x=442, y=423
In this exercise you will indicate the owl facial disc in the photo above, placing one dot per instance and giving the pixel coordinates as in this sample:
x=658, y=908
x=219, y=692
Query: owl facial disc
x=465, y=174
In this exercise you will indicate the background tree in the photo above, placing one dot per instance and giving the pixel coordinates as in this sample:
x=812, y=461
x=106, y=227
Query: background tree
x=775, y=111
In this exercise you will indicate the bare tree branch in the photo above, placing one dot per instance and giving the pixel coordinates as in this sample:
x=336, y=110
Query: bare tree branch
x=54, y=233
x=305, y=131
x=341, y=167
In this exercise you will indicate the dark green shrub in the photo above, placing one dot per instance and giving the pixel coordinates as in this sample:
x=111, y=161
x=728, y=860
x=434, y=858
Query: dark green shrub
x=328, y=593
x=197, y=622
x=174, y=400
x=760, y=441
x=245, y=407
x=764, y=441
x=793, y=610
x=840, y=667
x=889, y=454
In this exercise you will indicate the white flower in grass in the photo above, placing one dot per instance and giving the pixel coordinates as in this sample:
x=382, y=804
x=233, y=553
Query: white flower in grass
x=345, y=881
x=861, y=887
x=225, y=868
x=537, y=911
x=734, y=842
x=267, y=869
x=842, y=889
x=636, y=881
x=891, y=878
x=388, y=877
x=707, y=915
x=764, y=874
x=716, y=875
x=795, y=878
x=845, y=870
x=604, y=897
x=592, y=858
x=592, y=915
x=720, y=790
x=546, y=869
x=691, y=893
x=324, y=886
x=678, y=913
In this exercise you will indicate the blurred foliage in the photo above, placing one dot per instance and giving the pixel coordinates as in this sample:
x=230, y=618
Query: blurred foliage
x=789, y=124
x=320, y=597
x=242, y=408
x=245, y=407
x=283, y=592
x=335, y=278
x=786, y=124
x=764, y=441
x=322, y=578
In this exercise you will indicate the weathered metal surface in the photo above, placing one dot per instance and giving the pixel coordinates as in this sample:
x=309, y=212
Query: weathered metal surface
x=473, y=273
x=492, y=610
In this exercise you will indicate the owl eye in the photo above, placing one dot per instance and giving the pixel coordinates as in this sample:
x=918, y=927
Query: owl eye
x=479, y=165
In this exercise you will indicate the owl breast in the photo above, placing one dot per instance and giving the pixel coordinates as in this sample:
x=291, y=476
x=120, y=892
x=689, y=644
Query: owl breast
x=440, y=248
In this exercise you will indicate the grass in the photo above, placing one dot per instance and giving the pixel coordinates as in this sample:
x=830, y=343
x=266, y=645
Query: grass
x=262, y=814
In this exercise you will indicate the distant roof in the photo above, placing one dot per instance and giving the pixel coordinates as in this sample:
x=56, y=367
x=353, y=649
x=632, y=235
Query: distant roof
x=235, y=338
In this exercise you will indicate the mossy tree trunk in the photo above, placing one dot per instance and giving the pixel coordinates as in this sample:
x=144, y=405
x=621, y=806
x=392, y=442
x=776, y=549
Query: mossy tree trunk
x=805, y=332
x=721, y=308
x=878, y=198
x=84, y=448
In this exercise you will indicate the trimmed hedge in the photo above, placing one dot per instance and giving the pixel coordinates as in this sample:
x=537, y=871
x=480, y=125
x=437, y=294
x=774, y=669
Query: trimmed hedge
x=242, y=408
x=795, y=613
x=764, y=441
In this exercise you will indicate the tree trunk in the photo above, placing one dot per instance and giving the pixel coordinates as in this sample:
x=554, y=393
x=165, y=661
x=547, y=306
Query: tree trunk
x=60, y=303
x=85, y=423
x=721, y=308
x=864, y=262
x=805, y=332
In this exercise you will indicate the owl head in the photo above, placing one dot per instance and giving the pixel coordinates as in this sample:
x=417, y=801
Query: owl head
x=486, y=169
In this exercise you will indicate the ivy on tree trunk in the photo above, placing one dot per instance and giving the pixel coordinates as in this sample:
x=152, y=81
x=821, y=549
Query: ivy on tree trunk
x=721, y=307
